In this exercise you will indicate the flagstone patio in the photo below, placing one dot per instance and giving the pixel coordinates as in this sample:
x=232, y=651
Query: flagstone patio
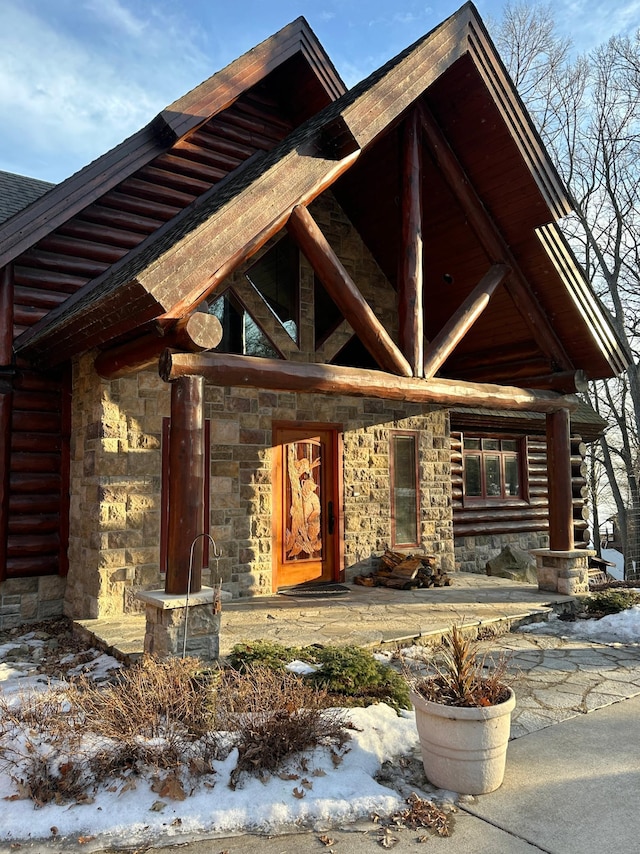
x=364, y=616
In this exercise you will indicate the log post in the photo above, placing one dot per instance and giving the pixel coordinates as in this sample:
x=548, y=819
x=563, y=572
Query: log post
x=462, y=320
x=343, y=291
x=410, y=281
x=6, y=407
x=559, y=480
x=186, y=479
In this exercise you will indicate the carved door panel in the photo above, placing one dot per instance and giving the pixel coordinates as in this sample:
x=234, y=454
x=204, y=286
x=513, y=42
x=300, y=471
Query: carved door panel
x=306, y=505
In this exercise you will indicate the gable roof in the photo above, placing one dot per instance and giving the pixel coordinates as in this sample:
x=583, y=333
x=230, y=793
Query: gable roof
x=351, y=145
x=18, y=191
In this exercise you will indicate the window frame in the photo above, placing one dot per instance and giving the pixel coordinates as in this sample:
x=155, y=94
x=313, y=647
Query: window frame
x=415, y=435
x=521, y=454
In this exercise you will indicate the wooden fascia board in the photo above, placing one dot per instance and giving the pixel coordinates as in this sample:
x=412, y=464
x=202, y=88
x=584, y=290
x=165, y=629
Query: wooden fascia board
x=295, y=179
x=217, y=93
x=592, y=312
x=516, y=117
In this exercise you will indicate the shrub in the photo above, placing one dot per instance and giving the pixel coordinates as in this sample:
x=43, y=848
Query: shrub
x=276, y=715
x=269, y=653
x=610, y=602
x=353, y=672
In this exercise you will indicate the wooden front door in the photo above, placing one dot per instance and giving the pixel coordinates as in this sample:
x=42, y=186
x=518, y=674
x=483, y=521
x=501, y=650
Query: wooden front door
x=306, y=517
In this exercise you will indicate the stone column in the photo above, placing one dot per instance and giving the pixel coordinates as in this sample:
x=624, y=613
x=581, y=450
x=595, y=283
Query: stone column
x=564, y=572
x=169, y=615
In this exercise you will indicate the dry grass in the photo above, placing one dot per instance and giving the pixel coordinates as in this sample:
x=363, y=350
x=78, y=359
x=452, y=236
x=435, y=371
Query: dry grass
x=463, y=677
x=162, y=720
x=295, y=719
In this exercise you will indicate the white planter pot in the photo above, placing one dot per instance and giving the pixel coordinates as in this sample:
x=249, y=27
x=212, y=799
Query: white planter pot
x=464, y=749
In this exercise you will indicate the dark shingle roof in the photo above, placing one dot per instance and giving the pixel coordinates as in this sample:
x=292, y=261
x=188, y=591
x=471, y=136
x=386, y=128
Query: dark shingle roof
x=18, y=191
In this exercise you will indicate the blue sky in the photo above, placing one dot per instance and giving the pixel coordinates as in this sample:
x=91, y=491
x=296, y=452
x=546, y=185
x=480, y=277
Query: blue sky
x=78, y=76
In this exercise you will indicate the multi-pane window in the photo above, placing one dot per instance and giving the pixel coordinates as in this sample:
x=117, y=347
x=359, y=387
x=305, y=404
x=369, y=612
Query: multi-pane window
x=492, y=468
x=405, y=503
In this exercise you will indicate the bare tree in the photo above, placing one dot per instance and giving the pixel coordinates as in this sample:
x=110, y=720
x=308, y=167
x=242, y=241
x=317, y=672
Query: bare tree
x=587, y=109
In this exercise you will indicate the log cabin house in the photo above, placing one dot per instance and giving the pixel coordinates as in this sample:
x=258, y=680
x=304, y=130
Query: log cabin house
x=314, y=322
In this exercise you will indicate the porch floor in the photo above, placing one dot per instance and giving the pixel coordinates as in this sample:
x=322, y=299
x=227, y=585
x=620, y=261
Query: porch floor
x=365, y=616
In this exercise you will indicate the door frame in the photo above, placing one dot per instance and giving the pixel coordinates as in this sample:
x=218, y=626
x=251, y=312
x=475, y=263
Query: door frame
x=337, y=470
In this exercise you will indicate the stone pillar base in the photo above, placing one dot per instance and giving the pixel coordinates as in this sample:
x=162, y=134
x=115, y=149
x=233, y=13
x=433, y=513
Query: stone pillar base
x=563, y=572
x=166, y=616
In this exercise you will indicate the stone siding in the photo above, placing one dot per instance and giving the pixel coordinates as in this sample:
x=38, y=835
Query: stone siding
x=115, y=490
x=27, y=600
x=472, y=553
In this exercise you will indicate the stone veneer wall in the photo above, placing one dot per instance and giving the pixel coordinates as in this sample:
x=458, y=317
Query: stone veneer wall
x=27, y=600
x=472, y=553
x=115, y=490
x=115, y=483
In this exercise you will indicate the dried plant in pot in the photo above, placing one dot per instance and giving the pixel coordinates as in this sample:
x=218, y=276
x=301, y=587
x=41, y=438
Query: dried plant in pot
x=463, y=716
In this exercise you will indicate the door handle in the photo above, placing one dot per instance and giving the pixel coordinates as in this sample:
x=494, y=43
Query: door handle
x=331, y=519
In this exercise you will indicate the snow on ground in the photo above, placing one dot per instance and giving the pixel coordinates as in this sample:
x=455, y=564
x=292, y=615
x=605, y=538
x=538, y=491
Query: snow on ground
x=614, y=628
x=319, y=794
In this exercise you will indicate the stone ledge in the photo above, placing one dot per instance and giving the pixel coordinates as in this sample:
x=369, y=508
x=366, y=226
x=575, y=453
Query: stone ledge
x=165, y=601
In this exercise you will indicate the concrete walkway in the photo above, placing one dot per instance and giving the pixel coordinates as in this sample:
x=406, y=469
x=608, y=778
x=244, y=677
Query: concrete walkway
x=365, y=616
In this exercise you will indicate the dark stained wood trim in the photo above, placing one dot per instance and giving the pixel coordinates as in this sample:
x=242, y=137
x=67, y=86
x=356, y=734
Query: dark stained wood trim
x=190, y=111
x=65, y=474
x=462, y=320
x=493, y=242
x=559, y=476
x=410, y=279
x=199, y=331
x=6, y=408
x=5, y=459
x=186, y=473
x=7, y=286
x=343, y=291
x=249, y=371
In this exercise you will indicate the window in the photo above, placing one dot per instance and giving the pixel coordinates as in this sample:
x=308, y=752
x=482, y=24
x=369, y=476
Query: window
x=405, y=503
x=240, y=332
x=493, y=468
x=276, y=277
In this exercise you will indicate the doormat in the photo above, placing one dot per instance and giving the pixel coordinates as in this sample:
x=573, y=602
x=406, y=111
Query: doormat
x=316, y=589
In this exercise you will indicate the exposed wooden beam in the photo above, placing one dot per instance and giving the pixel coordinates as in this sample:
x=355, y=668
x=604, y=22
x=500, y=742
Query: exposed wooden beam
x=199, y=331
x=566, y=382
x=278, y=375
x=410, y=279
x=186, y=479
x=463, y=319
x=343, y=291
x=493, y=242
x=267, y=196
x=559, y=481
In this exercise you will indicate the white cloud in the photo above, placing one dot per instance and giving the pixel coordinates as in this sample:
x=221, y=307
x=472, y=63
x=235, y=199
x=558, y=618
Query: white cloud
x=65, y=99
x=114, y=13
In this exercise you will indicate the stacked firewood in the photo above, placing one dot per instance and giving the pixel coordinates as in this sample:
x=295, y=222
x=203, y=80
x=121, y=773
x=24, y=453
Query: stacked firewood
x=405, y=572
